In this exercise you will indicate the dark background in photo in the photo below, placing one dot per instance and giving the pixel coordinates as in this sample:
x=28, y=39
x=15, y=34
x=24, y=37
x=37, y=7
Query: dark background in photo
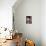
x=28, y=19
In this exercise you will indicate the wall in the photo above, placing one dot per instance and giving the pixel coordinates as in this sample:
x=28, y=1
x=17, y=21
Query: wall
x=43, y=22
x=6, y=13
x=29, y=8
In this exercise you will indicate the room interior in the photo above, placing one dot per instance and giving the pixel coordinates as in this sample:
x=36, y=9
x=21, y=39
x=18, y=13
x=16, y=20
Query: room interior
x=23, y=23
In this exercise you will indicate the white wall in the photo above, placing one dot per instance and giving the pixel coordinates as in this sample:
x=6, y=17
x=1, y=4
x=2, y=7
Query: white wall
x=29, y=8
x=43, y=22
x=6, y=13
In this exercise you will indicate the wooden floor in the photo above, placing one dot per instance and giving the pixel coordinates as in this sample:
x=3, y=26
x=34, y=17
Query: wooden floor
x=9, y=43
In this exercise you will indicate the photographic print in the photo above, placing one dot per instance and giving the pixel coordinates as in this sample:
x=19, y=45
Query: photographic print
x=28, y=19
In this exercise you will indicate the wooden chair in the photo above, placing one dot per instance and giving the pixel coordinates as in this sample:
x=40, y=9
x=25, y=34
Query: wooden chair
x=18, y=37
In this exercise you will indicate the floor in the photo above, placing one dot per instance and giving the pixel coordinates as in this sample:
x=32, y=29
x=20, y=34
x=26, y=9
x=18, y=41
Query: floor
x=9, y=43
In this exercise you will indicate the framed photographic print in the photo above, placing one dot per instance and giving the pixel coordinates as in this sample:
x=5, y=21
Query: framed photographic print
x=28, y=19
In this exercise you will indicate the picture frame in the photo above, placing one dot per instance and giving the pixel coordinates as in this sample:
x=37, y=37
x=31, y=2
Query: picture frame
x=28, y=19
